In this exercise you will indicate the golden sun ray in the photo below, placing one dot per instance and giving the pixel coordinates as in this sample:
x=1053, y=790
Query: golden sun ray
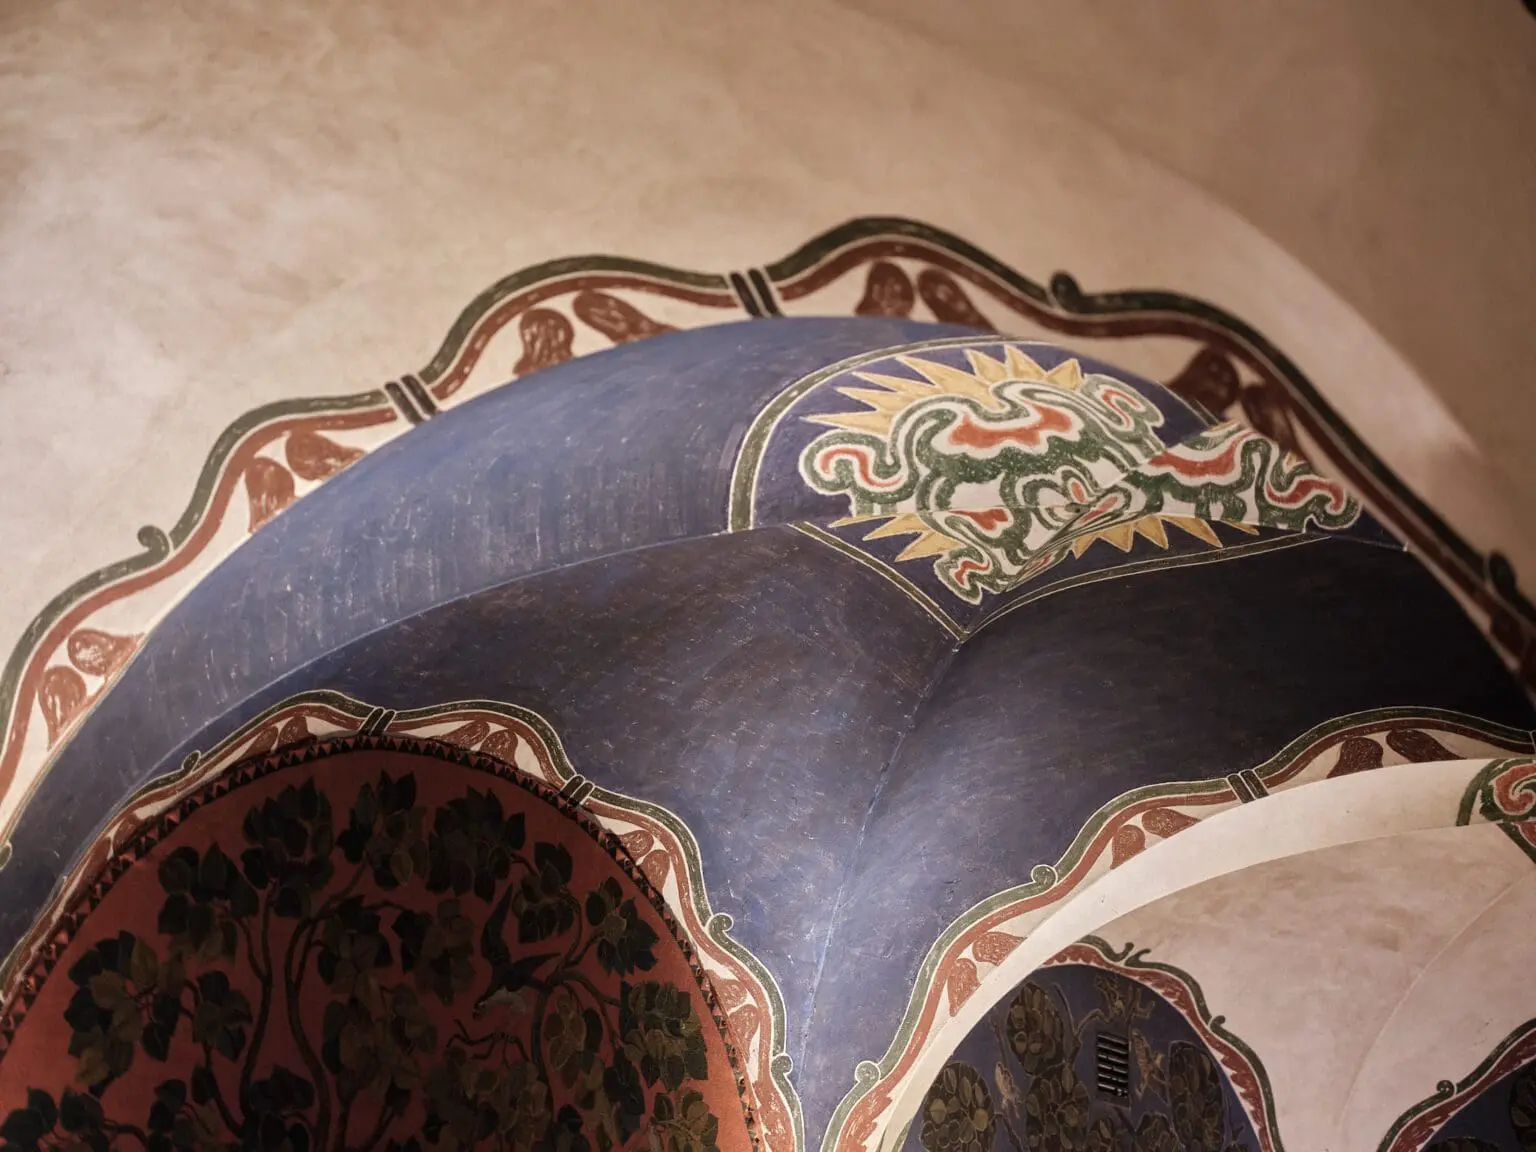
x=1068, y=374
x=1198, y=528
x=894, y=394
x=929, y=542
x=1152, y=527
x=986, y=368
x=953, y=381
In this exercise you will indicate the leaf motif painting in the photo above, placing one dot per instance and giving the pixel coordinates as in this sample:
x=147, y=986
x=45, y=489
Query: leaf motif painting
x=377, y=957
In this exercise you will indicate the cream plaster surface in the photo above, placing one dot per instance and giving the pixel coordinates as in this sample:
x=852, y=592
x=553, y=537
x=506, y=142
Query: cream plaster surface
x=1361, y=974
x=1389, y=145
x=1465, y=993
x=208, y=206
x=1390, y=806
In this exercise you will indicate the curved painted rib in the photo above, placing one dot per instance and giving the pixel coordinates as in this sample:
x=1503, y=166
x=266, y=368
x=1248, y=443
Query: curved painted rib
x=44, y=692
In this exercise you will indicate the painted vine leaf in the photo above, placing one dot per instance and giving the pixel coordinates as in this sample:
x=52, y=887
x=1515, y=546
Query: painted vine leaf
x=958, y=1115
x=1056, y=1107
x=567, y=1061
x=1194, y=1091
x=1044, y=1104
x=1037, y=1034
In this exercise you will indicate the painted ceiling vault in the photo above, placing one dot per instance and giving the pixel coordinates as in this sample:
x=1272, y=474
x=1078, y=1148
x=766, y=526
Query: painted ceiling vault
x=771, y=709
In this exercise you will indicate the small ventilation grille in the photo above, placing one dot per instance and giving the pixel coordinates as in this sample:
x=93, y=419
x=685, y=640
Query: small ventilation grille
x=1112, y=1066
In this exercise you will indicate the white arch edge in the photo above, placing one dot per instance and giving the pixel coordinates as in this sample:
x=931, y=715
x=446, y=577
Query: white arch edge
x=1323, y=814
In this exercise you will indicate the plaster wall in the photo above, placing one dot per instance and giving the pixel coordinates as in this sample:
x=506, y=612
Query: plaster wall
x=209, y=207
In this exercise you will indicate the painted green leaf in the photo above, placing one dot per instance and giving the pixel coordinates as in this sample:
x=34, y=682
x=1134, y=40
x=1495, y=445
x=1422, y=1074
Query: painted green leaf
x=1155, y=1134
x=79, y=1112
x=1036, y=1031
x=1104, y=1136
x=41, y=1103
x=386, y=830
x=473, y=845
x=1194, y=1091
x=543, y=905
x=624, y=1097
x=143, y=965
x=178, y=871
x=290, y=840
x=565, y=1133
x=685, y=1124
x=1056, y=1104
x=565, y=1038
x=661, y=1034
x=625, y=941
x=438, y=949
x=23, y=1128
x=957, y=1112
x=170, y=1097
x=467, y=1102
x=221, y=1015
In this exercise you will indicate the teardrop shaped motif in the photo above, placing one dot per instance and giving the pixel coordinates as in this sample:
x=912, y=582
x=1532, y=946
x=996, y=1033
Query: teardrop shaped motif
x=98, y=653
x=269, y=488
x=316, y=457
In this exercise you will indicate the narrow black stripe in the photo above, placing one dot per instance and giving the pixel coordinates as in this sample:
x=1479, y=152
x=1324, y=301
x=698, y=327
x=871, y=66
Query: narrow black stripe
x=765, y=293
x=745, y=295
x=397, y=394
x=1240, y=786
x=573, y=786
x=420, y=394
x=1251, y=778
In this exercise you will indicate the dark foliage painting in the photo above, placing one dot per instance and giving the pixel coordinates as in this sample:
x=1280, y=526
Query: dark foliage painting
x=1082, y=1060
x=377, y=951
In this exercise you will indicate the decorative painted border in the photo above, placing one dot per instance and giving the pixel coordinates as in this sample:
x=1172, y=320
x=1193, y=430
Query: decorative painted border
x=1417, y=1126
x=742, y=513
x=652, y=844
x=73, y=650
x=1504, y=793
x=985, y=935
x=1241, y=1064
x=80, y=642
x=1278, y=400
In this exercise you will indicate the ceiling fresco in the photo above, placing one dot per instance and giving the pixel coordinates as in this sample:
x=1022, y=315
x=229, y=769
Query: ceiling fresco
x=1100, y=1049
x=549, y=313
x=376, y=943
x=807, y=664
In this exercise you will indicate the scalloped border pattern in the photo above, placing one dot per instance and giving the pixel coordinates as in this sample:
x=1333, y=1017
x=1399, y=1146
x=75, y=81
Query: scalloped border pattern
x=652, y=844
x=1239, y=1062
x=79, y=643
x=984, y=935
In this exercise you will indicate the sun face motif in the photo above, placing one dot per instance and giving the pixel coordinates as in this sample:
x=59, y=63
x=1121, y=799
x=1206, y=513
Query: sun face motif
x=983, y=465
x=1000, y=470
